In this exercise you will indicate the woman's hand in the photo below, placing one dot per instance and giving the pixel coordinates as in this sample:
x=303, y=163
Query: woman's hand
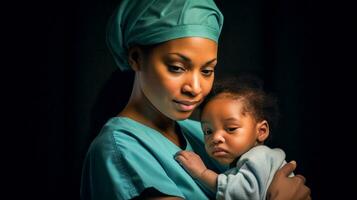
x=284, y=187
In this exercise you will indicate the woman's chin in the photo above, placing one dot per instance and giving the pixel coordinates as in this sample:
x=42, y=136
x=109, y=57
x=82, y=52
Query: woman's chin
x=181, y=116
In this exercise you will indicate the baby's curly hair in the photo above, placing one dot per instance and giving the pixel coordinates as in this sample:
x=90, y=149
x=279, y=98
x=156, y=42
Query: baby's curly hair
x=248, y=89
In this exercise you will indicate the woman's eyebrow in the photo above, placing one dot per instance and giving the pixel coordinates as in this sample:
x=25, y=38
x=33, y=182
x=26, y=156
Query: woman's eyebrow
x=186, y=59
x=211, y=61
x=183, y=57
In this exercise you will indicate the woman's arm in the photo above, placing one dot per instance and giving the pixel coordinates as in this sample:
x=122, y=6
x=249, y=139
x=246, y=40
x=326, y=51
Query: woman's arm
x=164, y=198
x=153, y=194
x=285, y=187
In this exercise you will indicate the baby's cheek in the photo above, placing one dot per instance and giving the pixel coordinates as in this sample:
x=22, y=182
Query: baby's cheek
x=208, y=150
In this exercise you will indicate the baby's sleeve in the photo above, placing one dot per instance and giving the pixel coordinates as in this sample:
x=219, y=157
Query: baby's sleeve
x=252, y=175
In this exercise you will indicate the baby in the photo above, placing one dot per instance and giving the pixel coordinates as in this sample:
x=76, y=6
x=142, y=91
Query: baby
x=236, y=119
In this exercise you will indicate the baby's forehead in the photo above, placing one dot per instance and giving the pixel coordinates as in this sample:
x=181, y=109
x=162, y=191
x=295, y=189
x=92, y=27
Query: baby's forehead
x=224, y=101
x=228, y=96
x=231, y=98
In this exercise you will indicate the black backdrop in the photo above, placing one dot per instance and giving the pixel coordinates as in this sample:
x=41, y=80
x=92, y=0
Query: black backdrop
x=69, y=85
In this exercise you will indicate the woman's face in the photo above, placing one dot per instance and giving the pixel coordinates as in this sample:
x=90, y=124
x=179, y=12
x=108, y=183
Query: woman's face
x=229, y=132
x=175, y=76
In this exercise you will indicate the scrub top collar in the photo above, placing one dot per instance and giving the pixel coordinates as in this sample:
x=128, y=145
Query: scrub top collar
x=188, y=146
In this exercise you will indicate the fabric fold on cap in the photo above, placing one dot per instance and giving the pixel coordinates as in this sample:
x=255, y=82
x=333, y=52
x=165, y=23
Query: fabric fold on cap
x=148, y=22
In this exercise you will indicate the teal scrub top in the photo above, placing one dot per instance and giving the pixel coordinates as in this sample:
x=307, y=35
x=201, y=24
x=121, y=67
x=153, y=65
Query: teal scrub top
x=128, y=157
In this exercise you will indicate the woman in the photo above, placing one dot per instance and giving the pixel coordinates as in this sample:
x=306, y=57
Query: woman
x=172, y=47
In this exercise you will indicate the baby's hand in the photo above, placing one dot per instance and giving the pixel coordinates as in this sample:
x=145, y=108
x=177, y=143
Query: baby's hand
x=191, y=162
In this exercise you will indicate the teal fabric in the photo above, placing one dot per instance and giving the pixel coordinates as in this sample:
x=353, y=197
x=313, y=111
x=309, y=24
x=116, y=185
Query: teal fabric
x=127, y=157
x=148, y=22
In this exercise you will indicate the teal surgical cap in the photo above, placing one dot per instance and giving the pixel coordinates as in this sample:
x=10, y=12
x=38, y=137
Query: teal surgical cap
x=148, y=22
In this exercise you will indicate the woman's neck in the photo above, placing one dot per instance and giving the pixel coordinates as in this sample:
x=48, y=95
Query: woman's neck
x=143, y=115
x=141, y=110
x=163, y=125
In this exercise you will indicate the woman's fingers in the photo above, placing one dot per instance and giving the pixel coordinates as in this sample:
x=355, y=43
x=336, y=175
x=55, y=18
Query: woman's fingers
x=301, y=177
x=287, y=169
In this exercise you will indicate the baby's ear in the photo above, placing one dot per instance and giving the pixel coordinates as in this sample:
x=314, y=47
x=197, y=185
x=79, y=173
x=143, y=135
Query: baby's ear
x=262, y=131
x=135, y=58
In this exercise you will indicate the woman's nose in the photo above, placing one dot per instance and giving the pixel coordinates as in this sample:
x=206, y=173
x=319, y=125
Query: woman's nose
x=193, y=85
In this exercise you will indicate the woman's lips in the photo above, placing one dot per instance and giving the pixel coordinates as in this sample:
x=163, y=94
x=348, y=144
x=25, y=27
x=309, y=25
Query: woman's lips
x=186, y=105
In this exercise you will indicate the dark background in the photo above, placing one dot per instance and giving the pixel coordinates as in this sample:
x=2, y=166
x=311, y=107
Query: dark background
x=66, y=85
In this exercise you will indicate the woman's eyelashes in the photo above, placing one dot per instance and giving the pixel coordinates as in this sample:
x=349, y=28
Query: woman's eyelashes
x=176, y=69
x=180, y=69
x=207, y=72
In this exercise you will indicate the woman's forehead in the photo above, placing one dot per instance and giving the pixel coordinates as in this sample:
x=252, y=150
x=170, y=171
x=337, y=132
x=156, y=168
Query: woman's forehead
x=189, y=48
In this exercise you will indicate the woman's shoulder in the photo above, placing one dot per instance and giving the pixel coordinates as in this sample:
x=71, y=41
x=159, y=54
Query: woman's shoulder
x=127, y=126
x=191, y=127
x=116, y=133
x=117, y=127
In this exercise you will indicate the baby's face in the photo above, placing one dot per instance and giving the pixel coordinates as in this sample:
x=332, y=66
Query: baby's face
x=229, y=132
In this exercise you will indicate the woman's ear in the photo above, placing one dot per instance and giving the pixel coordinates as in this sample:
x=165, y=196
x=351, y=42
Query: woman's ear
x=135, y=58
x=262, y=131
